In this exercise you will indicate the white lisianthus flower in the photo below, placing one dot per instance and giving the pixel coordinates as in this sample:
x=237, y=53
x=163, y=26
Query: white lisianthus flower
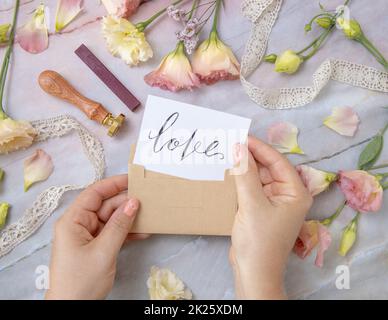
x=125, y=40
x=163, y=284
x=15, y=135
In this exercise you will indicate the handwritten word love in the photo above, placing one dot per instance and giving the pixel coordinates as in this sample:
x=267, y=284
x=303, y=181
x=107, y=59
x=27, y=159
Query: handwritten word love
x=188, y=147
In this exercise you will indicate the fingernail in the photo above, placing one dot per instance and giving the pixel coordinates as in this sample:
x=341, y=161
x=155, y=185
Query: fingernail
x=131, y=207
x=237, y=154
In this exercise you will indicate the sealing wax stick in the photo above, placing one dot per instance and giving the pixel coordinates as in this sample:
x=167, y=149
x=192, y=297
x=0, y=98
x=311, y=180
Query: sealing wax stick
x=107, y=77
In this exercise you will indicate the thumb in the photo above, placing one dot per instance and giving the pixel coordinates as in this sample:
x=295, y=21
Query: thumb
x=249, y=189
x=116, y=230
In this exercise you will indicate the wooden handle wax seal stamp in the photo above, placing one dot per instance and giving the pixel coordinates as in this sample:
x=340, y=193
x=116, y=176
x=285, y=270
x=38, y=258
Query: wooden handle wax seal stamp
x=53, y=83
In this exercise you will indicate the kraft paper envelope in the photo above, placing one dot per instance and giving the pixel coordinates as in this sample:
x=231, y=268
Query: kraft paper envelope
x=173, y=205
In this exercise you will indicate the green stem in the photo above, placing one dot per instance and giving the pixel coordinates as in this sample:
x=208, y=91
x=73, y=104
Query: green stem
x=318, y=44
x=193, y=8
x=7, y=57
x=144, y=24
x=309, y=46
x=328, y=221
x=355, y=219
x=318, y=41
x=373, y=50
x=216, y=14
x=380, y=166
x=384, y=129
x=381, y=175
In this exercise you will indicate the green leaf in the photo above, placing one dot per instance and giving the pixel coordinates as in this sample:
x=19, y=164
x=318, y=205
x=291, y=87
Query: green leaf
x=371, y=153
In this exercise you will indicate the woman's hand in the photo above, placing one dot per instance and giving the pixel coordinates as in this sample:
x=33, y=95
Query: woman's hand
x=273, y=203
x=88, y=238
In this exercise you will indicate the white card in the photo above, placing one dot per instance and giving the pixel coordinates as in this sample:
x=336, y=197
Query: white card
x=188, y=141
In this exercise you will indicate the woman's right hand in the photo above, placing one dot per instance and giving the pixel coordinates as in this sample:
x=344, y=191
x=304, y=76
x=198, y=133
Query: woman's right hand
x=273, y=203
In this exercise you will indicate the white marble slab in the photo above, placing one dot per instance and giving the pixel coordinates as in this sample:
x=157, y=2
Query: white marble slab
x=200, y=261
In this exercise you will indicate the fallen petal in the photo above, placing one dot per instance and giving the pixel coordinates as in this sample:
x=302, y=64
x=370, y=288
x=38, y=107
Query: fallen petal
x=316, y=181
x=37, y=167
x=33, y=36
x=283, y=136
x=343, y=120
x=67, y=11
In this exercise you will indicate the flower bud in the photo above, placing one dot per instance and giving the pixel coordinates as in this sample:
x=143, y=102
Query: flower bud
x=4, y=206
x=324, y=22
x=348, y=238
x=1, y=174
x=270, y=58
x=351, y=28
x=307, y=27
x=288, y=62
x=4, y=32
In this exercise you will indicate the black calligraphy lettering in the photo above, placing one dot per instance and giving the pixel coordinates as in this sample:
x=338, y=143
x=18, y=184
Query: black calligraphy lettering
x=174, y=143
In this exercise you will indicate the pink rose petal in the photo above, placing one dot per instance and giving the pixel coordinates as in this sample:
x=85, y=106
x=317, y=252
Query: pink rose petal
x=343, y=120
x=33, y=36
x=67, y=11
x=38, y=167
x=284, y=137
x=316, y=181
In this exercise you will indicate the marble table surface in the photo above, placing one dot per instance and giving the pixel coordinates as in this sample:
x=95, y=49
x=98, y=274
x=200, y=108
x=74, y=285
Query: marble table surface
x=202, y=262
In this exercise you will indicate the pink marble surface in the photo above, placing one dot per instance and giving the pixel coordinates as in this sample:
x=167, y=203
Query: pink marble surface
x=200, y=261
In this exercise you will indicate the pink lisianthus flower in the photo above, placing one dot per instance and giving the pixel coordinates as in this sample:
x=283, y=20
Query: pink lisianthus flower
x=121, y=8
x=174, y=72
x=312, y=234
x=316, y=181
x=214, y=61
x=363, y=191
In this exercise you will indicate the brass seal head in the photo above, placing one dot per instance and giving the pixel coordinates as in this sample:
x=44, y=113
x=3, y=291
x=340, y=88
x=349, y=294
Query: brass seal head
x=113, y=123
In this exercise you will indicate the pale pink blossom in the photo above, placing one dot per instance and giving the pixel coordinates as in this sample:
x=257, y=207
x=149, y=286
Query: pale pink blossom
x=284, y=137
x=316, y=181
x=121, y=8
x=313, y=234
x=343, y=120
x=174, y=72
x=214, y=61
x=33, y=36
x=363, y=191
x=38, y=167
x=67, y=11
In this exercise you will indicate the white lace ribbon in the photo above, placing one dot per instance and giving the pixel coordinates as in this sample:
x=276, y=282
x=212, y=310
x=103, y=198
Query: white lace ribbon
x=48, y=200
x=263, y=14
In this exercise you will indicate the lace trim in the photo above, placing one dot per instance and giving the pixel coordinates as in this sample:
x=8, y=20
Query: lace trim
x=48, y=200
x=263, y=14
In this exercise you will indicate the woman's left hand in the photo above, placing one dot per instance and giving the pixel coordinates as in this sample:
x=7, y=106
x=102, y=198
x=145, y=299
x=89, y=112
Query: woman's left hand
x=88, y=238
